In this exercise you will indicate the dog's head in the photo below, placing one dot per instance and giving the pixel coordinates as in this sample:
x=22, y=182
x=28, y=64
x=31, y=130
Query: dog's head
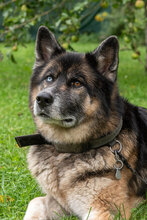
x=73, y=95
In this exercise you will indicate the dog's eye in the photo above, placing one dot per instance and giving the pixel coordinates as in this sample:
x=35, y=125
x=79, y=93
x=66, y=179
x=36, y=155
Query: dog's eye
x=76, y=84
x=49, y=79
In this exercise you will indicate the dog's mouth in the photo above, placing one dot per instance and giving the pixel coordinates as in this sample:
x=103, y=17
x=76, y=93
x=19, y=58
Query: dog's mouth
x=44, y=115
x=68, y=122
x=63, y=122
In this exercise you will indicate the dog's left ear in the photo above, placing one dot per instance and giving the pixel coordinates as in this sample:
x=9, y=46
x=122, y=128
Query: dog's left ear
x=107, y=57
x=46, y=45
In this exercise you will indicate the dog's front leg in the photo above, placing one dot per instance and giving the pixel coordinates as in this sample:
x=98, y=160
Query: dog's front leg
x=36, y=209
x=43, y=208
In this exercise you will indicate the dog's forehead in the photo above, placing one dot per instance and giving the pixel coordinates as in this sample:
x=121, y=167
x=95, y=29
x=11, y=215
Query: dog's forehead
x=66, y=62
x=71, y=58
x=69, y=61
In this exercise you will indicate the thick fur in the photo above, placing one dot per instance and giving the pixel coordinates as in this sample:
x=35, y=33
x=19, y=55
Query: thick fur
x=74, y=98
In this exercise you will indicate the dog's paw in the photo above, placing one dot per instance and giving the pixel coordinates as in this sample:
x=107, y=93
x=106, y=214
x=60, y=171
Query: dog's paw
x=36, y=210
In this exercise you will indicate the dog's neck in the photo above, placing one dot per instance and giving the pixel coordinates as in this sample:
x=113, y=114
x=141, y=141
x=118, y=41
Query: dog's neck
x=92, y=144
x=37, y=139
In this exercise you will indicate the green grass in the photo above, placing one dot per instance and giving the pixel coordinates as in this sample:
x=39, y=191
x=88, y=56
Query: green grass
x=17, y=187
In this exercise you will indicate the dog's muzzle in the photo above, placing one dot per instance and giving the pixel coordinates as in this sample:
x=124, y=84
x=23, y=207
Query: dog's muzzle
x=48, y=108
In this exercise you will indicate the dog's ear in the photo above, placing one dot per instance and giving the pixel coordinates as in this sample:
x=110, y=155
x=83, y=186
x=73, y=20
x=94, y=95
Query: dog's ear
x=107, y=57
x=46, y=45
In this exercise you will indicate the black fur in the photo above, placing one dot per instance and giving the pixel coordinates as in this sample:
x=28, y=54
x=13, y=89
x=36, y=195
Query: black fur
x=100, y=85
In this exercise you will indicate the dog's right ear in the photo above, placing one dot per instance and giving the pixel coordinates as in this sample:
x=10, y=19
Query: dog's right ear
x=46, y=45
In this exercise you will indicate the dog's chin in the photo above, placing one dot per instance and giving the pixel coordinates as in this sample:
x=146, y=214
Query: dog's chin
x=64, y=131
x=66, y=122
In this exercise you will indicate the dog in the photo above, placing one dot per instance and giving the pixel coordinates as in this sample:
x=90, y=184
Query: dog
x=96, y=162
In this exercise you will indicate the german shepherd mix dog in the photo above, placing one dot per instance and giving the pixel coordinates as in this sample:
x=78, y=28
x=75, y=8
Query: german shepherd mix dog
x=97, y=162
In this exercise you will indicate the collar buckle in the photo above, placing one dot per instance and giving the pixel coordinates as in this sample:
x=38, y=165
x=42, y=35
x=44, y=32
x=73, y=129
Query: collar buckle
x=119, y=163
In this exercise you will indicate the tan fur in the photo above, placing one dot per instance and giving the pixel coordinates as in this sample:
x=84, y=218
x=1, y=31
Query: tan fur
x=63, y=88
x=84, y=130
x=84, y=183
x=65, y=176
x=91, y=106
x=34, y=94
x=58, y=174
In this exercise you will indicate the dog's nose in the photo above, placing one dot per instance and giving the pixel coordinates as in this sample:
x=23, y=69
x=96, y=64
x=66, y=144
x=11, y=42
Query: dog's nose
x=44, y=99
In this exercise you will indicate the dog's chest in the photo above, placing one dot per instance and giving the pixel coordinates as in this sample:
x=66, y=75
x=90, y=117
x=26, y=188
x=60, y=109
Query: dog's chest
x=59, y=173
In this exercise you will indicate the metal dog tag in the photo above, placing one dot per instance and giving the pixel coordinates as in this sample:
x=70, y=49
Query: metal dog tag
x=118, y=174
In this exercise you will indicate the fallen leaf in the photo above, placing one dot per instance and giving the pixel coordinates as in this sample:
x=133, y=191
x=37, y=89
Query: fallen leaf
x=10, y=199
x=1, y=198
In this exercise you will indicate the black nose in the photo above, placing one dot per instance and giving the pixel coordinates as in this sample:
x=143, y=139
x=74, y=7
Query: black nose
x=44, y=99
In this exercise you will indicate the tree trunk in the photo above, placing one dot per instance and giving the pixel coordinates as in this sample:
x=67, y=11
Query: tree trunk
x=146, y=35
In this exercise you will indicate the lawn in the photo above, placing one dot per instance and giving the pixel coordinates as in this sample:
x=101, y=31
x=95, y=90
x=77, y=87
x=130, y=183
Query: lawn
x=17, y=187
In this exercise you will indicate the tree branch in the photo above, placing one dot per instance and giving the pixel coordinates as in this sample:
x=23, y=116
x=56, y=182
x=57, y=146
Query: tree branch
x=2, y=5
x=32, y=19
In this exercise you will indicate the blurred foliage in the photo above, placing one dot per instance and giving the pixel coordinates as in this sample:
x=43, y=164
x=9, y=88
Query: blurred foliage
x=126, y=18
x=131, y=20
x=20, y=15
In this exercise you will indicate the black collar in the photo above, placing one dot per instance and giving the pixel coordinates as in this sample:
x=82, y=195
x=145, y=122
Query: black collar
x=38, y=139
x=108, y=140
